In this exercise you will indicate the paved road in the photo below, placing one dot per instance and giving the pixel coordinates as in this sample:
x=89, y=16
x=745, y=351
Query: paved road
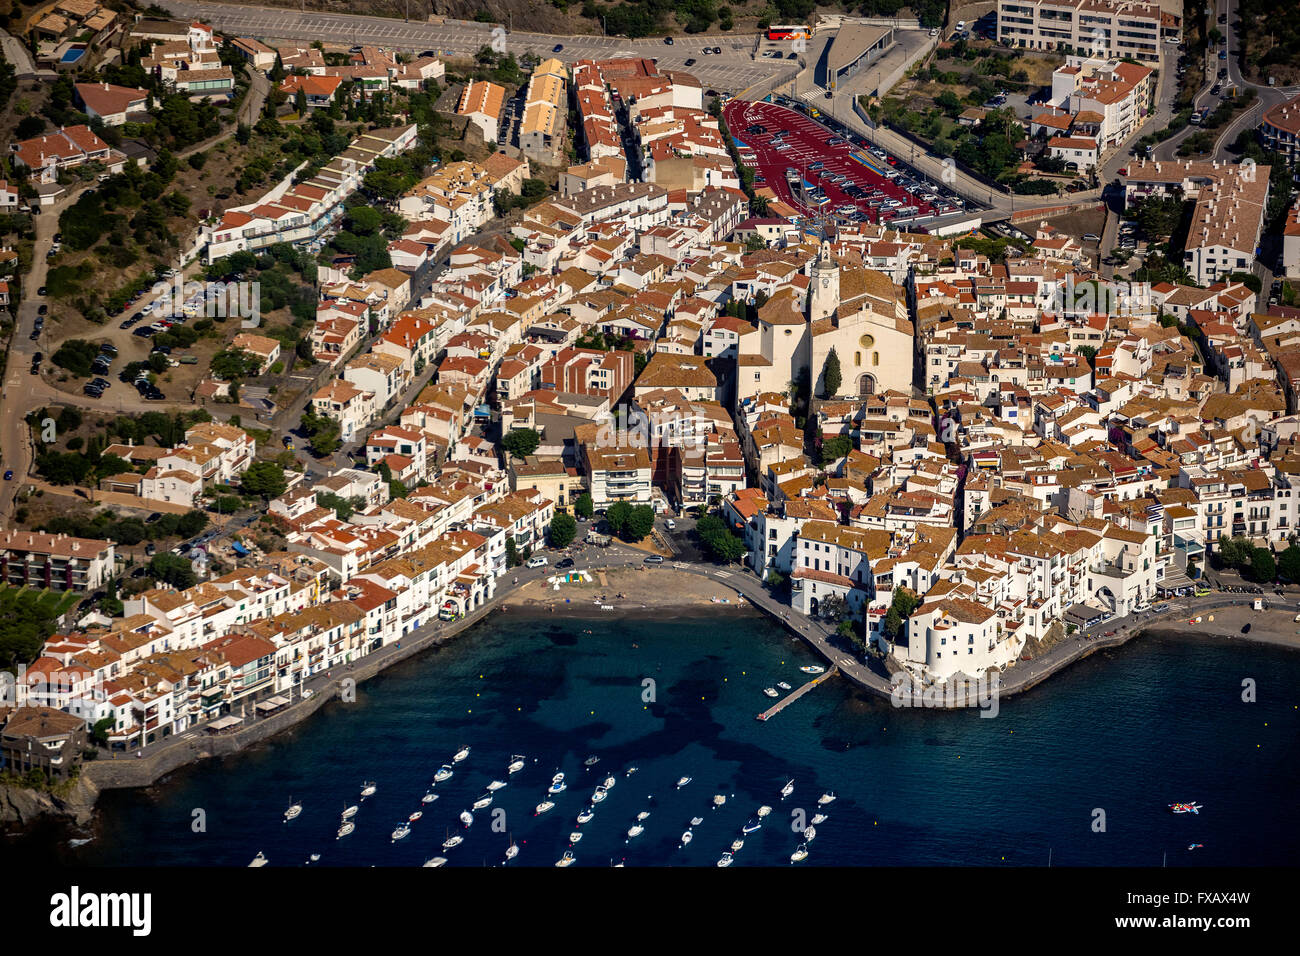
x=733, y=69
x=17, y=54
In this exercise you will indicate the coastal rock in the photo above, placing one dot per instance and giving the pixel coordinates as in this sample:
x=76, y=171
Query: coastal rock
x=21, y=807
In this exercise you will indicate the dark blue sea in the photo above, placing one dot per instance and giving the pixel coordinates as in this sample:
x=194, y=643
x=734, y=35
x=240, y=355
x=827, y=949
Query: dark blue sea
x=1079, y=771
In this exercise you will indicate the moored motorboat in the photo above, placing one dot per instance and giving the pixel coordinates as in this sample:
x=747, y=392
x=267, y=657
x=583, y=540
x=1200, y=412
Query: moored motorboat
x=736, y=844
x=585, y=815
x=344, y=830
x=368, y=789
x=783, y=685
x=452, y=841
x=444, y=773
x=635, y=831
x=813, y=669
x=687, y=837
x=819, y=818
x=642, y=815
x=800, y=853
x=461, y=754
x=516, y=763
x=599, y=795
x=682, y=781
x=482, y=801
x=557, y=784
x=566, y=860
x=764, y=810
x=415, y=816
x=608, y=783
x=259, y=860
x=770, y=692
x=429, y=798
x=466, y=818
x=294, y=810
x=591, y=761
x=809, y=834
x=543, y=807
x=314, y=858
x=496, y=785
x=575, y=836
x=436, y=861
x=787, y=790
x=725, y=860
x=826, y=799
x=751, y=826
x=631, y=770
x=512, y=850
x=718, y=800
x=402, y=832
x=696, y=821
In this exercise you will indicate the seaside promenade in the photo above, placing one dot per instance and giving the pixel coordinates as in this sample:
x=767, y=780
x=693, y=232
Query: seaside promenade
x=144, y=767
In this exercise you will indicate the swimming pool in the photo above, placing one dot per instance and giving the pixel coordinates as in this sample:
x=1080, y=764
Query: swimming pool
x=73, y=54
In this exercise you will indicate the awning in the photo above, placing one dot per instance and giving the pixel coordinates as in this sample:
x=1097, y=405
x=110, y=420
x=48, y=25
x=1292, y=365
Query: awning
x=272, y=703
x=224, y=723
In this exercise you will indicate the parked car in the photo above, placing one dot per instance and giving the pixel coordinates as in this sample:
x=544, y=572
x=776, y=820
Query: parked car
x=537, y=561
x=562, y=565
x=653, y=559
x=9, y=475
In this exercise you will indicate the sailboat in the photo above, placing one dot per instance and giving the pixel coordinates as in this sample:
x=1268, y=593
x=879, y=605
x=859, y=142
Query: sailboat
x=566, y=860
x=585, y=814
x=826, y=799
x=726, y=860
x=452, y=841
x=349, y=812
x=512, y=850
x=682, y=781
x=495, y=785
x=543, y=807
x=259, y=860
x=467, y=818
x=800, y=853
x=444, y=773
x=368, y=789
x=575, y=836
x=482, y=801
x=787, y=790
x=429, y=798
x=516, y=763
x=461, y=754
x=293, y=811
x=347, y=827
x=402, y=832
x=764, y=810
x=436, y=861
x=718, y=800
x=608, y=783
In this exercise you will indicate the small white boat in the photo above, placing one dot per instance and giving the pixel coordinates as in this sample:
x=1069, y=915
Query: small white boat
x=516, y=764
x=444, y=773
x=543, y=807
x=726, y=860
x=635, y=831
x=696, y=821
x=682, y=781
x=643, y=814
x=259, y=860
x=770, y=692
x=415, y=816
x=599, y=795
x=608, y=783
x=349, y=812
x=566, y=860
x=819, y=818
x=454, y=840
x=751, y=826
x=787, y=790
x=436, y=861
x=461, y=754
x=687, y=837
x=809, y=834
x=294, y=810
x=764, y=810
x=557, y=784
x=736, y=845
x=495, y=785
x=813, y=669
x=586, y=815
x=466, y=818
x=631, y=770
x=783, y=685
x=344, y=830
x=575, y=836
x=825, y=799
x=591, y=761
x=429, y=798
x=315, y=858
x=482, y=801
x=800, y=853
x=368, y=789
x=718, y=800
x=512, y=850
x=402, y=832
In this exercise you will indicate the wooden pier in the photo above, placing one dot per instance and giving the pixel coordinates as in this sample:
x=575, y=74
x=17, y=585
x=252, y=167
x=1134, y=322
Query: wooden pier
x=796, y=694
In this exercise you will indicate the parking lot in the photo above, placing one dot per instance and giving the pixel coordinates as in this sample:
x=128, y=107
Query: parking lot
x=820, y=172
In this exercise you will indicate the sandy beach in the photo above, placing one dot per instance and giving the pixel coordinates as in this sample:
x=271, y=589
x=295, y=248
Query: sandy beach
x=1266, y=627
x=628, y=591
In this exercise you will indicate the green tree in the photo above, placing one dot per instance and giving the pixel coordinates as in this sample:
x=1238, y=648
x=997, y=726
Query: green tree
x=835, y=448
x=832, y=379
x=1234, y=552
x=640, y=521
x=1263, y=568
x=512, y=552
x=265, y=479
x=584, y=506
x=521, y=442
x=617, y=516
x=1288, y=564
x=563, y=530
x=172, y=569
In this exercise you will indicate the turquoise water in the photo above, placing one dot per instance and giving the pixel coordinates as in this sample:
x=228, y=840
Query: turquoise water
x=1125, y=733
